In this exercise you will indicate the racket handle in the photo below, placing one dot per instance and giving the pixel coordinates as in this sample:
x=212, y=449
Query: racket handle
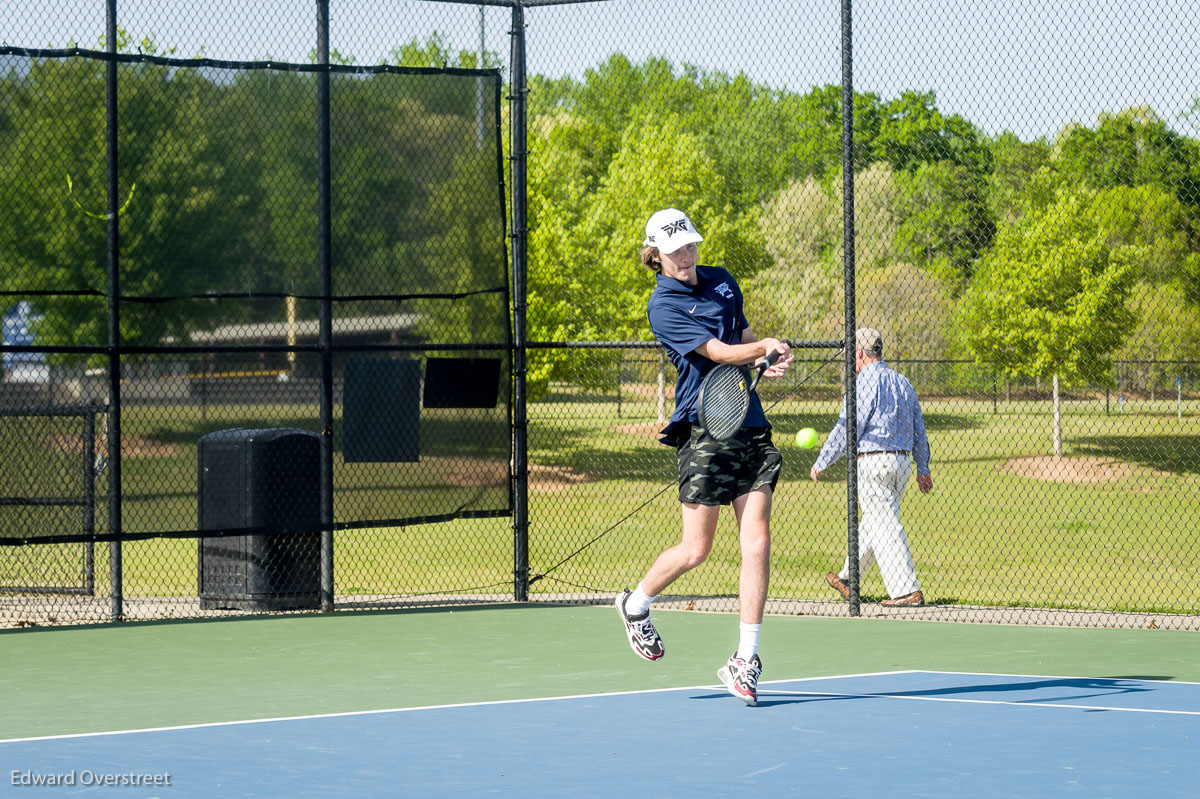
x=772, y=357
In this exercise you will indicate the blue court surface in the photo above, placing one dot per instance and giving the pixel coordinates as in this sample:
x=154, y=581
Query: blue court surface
x=894, y=734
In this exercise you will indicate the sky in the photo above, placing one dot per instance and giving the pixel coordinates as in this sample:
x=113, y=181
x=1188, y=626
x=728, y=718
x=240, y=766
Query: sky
x=1016, y=65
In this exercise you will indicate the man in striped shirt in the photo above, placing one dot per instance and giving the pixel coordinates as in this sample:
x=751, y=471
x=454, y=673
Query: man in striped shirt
x=891, y=437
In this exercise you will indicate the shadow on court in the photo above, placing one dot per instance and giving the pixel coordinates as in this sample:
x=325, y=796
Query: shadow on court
x=1032, y=691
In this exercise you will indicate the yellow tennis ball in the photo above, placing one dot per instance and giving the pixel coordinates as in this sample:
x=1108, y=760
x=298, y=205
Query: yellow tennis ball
x=806, y=438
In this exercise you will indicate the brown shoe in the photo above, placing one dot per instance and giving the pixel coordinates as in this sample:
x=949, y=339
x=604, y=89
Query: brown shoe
x=838, y=585
x=915, y=599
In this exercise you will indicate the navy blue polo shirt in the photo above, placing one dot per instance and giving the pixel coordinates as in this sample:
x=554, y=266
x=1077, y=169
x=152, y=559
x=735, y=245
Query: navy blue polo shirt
x=683, y=317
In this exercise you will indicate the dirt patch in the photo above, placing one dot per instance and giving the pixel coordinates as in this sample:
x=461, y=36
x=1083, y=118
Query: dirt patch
x=131, y=446
x=478, y=472
x=1067, y=470
x=556, y=478
x=649, y=429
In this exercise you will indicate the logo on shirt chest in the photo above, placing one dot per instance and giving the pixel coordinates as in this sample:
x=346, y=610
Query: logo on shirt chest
x=724, y=291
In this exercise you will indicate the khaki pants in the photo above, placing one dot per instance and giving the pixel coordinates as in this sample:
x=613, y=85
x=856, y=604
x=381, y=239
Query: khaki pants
x=881, y=482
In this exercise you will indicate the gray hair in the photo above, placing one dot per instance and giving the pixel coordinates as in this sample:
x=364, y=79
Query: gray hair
x=869, y=341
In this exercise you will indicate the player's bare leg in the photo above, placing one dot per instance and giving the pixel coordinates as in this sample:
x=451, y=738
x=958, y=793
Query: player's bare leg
x=753, y=512
x=699, y=528
x=740, y=673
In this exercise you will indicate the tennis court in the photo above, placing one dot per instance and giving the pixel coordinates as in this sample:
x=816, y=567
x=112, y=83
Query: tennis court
x=548, y=701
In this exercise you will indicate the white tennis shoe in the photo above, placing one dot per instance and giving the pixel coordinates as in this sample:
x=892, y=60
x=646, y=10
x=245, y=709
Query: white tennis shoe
x=741, y=678
x=644, y=640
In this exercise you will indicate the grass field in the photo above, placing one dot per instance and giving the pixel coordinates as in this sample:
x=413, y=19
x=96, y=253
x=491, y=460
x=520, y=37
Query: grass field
x=1115, y=531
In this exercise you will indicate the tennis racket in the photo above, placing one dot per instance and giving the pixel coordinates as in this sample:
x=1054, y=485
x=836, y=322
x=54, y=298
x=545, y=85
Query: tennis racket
x=725, y=396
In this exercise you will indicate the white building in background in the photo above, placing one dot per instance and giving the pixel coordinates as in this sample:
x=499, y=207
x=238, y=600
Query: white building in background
x=22, y=367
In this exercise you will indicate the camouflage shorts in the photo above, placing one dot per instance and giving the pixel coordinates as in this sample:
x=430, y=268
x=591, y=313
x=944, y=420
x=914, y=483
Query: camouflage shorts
x=715, y=472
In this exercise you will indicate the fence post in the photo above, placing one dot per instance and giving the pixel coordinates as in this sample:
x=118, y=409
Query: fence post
x=325, y=264
x=113, y=427
x=848, y=279
x=520, y=441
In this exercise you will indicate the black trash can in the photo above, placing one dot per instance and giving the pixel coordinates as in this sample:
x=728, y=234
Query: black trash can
x=269, y=481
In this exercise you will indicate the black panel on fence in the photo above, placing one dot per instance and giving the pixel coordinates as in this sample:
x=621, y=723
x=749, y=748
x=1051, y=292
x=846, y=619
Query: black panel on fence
x=461, y=382
x=267, y=480
x=50, y=488
x=381, y=417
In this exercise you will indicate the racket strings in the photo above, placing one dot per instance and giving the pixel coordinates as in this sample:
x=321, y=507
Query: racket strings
x=725, y=402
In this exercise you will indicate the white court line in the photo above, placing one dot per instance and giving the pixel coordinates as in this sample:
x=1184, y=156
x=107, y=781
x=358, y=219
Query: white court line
x=985, y=702
x=1027, y=703
x=347, y=713
x=1045, y=676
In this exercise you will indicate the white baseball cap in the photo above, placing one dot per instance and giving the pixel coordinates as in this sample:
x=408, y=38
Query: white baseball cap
x=670, y=229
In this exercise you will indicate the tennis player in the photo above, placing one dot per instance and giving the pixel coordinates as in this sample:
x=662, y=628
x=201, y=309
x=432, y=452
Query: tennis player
x=696, y=314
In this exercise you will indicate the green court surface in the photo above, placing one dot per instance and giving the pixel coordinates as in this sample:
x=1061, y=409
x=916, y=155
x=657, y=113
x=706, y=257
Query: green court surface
x=154, y=674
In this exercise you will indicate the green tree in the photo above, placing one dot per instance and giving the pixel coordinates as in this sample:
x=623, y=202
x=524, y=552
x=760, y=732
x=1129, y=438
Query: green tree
x=913, y=131
x=186, y=219
x=589, y=248
x=908, y=306
x=800, y=229
x=814, y=146
x=1049, y=299
x=1167, y=331
x=1131, y=148
x=1014, y=164
x=435, y=53
x=945, y=223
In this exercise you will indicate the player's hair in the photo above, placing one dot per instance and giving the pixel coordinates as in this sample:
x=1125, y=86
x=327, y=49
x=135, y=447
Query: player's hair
x=651, y=259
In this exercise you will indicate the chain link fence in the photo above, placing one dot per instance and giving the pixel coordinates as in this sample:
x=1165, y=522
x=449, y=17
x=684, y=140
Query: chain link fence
x=257, y=346
x=1025, y=191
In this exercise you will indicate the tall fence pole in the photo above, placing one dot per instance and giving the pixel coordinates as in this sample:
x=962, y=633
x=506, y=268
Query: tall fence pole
x=325, y=257
x=113, y=437
x=518, y=147
x=848, y=277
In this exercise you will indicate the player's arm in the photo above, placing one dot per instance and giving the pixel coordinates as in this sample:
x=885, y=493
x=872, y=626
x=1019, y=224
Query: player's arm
x=773, y=345
x=750, y=350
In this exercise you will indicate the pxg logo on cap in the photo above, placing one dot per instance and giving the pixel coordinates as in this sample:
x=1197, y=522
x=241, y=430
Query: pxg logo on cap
x=670, y=229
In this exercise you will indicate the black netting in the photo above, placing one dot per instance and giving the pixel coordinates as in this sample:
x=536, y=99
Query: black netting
x=220, y=304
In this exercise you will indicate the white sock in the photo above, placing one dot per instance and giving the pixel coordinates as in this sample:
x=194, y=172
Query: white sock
x=638, y=602
x=748, y=644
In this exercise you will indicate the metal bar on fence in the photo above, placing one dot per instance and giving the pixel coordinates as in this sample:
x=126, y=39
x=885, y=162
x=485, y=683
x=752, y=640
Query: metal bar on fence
x=848, y=278
x=325, y=258
x=592, y=345
x=816, y=344
x=89, y=493
x=517, y=147
x=114, y=319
